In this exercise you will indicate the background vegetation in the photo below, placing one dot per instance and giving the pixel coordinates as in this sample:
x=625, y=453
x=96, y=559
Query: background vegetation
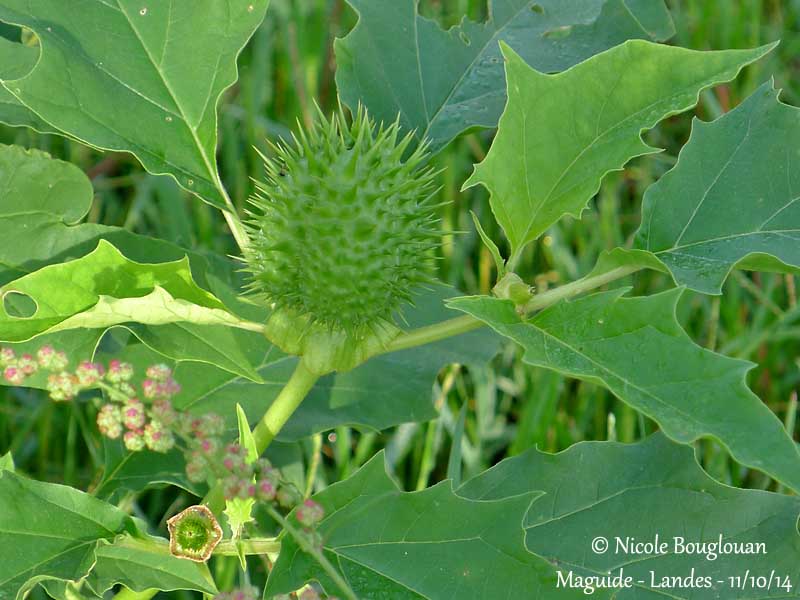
x=510, y=406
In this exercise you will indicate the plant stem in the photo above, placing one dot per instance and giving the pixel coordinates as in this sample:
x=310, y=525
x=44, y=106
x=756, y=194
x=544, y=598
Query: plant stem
x=232, y=218
x=278, y=413
x=466, y=323
x=256, y=546
x=580, y=286
x=318, y=554
x=434, y=333
x=292, y=394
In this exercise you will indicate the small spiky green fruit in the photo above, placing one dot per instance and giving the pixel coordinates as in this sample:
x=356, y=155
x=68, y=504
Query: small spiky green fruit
x=341, y=233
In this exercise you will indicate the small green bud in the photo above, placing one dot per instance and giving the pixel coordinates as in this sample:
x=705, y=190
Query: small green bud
x=341, y=234
x=512, y=287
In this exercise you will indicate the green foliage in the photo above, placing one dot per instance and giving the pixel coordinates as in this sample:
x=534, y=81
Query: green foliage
x=638, y=491
x=140, y=78
x=561, y=134
x=427, y=544
x=104, y=289
x=140, y=566
x=56, y=541
x=745, y=160
x=630, y=345
x=135, y=471
x=344, y=247
x=443, y=83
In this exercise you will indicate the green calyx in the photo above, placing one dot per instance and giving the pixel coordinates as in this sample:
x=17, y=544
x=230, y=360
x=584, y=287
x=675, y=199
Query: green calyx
x=341, y=233
x=194, y=533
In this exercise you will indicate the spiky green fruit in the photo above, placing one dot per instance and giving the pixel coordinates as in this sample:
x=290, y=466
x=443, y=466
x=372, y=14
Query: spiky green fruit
x=341, y=233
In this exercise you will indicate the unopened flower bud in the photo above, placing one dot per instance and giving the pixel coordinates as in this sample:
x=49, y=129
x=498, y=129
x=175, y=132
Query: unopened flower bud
x=63, y=386
x=51, y=360
x=211, y=425
x=89, y=373
x=127, y=389
x=163, y=410
x=159, y=372
x=7, y=357
x=27, y=364
x=157, y=437
x=262, y=466
x=14, y=375
x=208, y=446
x=231, y=487
x=119, y=372
x=265, y=489
x=287, y=496
x=59, y=362
x=134, y=440
x=309, y=513
x=109, y=421
x=133, y=414
x=196, y=470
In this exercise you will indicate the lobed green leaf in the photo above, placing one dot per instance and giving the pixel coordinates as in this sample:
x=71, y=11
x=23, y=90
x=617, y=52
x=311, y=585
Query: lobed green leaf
x=441, y=83
x=654, y=487
x=732, y=198
x=636, y=348
x=142, y=77
x=50, y=531
x=561, y=134
x=430, y=544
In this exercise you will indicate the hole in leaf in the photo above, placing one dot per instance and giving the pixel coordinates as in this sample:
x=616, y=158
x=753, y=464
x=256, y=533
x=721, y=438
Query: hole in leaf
x=559, y=33
x=464, y=38
x=22, y=53
x=19, y=305
x=537, y=8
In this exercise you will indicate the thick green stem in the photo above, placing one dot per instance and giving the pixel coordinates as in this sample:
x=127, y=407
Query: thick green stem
x=292, y=394
x=279, y=412
x=466, y=323
x=434, y=333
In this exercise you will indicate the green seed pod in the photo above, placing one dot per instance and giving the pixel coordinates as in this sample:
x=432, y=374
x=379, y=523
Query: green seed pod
x=341, y=233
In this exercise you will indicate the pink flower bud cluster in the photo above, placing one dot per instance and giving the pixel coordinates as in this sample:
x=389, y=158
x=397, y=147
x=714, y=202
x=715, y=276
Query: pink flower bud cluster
x=144, y=427
x=259, y=480
x=131, y=417
x=16, y=369
x=159, y=383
